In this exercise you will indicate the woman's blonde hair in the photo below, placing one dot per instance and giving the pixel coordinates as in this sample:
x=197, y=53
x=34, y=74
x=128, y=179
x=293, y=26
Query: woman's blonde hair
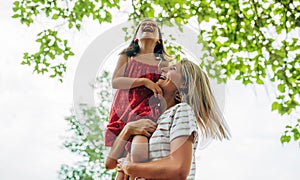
x=200, y=97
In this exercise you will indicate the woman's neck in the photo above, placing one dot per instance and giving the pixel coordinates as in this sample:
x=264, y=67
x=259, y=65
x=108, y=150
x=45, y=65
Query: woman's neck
x=167, y=103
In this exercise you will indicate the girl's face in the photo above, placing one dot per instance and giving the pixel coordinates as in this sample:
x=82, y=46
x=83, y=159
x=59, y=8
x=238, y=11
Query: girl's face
x=148, y=29
x=171, y=78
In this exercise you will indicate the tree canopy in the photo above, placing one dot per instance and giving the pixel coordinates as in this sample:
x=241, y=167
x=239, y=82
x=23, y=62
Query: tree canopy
x=253, y=41
x=87, y=138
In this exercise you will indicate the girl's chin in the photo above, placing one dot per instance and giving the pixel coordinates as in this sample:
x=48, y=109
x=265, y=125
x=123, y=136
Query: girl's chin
x=148, y=36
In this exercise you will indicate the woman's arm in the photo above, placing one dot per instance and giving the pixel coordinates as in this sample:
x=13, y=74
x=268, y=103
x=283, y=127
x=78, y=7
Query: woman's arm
x=176, y=166
x=121, y=82
x=140, y=127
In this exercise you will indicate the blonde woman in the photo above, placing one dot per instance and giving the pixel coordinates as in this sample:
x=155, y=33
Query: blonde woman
x=189, y=104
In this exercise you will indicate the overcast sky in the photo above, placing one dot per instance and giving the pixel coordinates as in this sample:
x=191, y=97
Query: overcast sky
x=33, y=108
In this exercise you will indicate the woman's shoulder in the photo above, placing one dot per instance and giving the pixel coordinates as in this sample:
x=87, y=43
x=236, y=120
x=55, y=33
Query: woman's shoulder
x=179, y=109
x=182, y=106
x=184, y=122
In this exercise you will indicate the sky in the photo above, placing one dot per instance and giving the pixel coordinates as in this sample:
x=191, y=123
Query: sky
x=33, y=107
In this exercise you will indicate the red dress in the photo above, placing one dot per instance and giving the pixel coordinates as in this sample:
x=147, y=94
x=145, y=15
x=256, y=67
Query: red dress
x=133, y=104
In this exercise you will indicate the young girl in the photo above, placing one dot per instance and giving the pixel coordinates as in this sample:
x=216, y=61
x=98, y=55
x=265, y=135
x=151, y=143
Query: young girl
x=134, y=78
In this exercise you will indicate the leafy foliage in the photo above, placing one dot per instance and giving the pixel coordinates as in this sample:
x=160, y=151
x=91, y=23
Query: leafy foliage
x=53, y=50
x=251, y=41
x=50, y=48
x=87, y=140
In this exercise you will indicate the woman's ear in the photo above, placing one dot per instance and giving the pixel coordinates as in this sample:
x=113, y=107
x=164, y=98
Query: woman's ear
x=183, y=86
x=178, y=96
x=183, y=90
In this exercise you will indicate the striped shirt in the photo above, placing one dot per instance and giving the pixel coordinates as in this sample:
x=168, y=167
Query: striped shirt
x=177, y=121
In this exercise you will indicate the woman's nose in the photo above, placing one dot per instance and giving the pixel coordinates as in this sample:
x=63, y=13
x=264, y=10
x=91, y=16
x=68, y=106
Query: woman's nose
x=164, y=69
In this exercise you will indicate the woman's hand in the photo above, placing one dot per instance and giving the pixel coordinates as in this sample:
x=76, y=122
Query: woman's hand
x=141, y=127
x=153, y=87
x=176, y=166
x=123, y=165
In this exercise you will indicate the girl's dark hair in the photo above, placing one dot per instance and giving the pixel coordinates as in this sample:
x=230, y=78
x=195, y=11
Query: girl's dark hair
x=159, y=49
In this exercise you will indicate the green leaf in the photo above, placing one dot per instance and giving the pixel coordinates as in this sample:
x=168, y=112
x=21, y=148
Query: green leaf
x=288, y=127
x=78, y=26
x=16, y=3
x=16, y=16
x=275, y=106
x=66, y=56
x=285, y=139
x=296, y=137
x=55, y=16
x=259, y=81
x=70, y=25
x=281, y=88
x=296, y=134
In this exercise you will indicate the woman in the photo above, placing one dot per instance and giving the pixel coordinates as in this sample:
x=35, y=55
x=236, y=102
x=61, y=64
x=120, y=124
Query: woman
x=188, y=101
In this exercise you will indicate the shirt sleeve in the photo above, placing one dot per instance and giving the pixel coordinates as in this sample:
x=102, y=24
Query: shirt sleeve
x=184, y=123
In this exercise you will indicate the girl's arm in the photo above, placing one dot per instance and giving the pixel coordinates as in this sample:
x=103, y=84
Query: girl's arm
x=175, y=166
x=121, y=82
x=139, y=127
x=118, y=79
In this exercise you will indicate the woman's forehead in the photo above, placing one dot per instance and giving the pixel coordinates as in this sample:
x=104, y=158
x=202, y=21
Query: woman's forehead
x=174, y=63
x=178, y=65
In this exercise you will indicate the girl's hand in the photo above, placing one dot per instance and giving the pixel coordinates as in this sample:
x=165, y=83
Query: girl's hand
x=141, y=127
x=153, y=87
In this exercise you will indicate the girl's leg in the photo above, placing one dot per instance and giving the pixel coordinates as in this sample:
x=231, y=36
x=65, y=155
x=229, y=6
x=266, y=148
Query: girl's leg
x=139, y=150
x=120, y=176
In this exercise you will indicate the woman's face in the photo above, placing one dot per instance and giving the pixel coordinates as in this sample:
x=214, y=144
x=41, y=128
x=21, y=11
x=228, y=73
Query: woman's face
x=148, y=29
x=171, y=78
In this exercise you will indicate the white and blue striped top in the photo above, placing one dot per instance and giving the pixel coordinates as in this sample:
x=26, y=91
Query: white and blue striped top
x=177, y=121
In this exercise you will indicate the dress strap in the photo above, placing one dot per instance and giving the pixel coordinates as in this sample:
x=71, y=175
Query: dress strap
x=128, y=61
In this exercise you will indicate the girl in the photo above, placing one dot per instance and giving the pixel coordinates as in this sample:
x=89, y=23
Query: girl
x=134, y=78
